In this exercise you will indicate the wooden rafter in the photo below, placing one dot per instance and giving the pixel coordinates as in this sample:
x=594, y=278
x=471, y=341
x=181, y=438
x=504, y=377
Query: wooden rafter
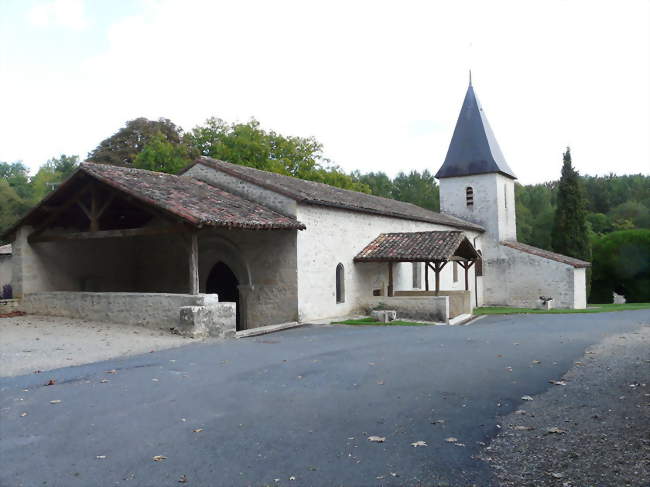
x=128, y=232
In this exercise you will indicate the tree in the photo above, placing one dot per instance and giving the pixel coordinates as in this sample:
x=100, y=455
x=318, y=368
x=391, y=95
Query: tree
x=418, y=188
x=12, y=207
x=247, y=144
x=121, y=148
x=161, y=155
x=378, y=182
x=17, y=176
x=621, y=263
x=51, y=174
x=570, y=235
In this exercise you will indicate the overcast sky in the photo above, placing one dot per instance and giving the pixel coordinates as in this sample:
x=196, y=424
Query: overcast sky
x=379, y=83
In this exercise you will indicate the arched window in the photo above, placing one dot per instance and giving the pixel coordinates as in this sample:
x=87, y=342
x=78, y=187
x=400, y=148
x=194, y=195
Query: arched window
x=340, y=284
x=469, y=196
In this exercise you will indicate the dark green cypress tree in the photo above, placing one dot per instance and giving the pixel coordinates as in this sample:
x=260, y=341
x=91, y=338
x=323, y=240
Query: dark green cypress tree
x=570, y=236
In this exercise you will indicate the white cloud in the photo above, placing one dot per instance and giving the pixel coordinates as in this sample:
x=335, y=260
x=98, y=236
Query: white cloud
x=61, y=13
x=379, y=83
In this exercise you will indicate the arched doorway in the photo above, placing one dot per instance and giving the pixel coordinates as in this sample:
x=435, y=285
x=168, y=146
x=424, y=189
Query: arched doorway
x=223, y=282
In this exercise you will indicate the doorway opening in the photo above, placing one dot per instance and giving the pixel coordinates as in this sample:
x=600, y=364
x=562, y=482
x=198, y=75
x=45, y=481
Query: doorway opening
x=223, y=282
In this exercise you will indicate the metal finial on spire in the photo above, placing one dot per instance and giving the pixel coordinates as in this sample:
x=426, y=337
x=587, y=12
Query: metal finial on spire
x=470, y=77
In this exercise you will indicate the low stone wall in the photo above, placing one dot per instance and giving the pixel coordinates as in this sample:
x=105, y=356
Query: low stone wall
x=152, y=310
x=460, y=302
x=423, y=308
x=9, y=305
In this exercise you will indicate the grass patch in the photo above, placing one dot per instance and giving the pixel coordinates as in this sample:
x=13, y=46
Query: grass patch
x=592, y=308
x=372, y=322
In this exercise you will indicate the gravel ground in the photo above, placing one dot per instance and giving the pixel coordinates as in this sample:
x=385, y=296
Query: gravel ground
x=29, y=343
x=593, y=431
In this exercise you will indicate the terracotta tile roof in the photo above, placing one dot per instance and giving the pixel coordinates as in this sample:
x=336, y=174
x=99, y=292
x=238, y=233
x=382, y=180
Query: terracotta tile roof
x=190, y=200
x=194, y=201
x=5, y=249
x=314, y=193
x=546, y=254
x=417, y=247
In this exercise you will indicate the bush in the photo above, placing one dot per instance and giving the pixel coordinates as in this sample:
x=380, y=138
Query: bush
x=621, y=263
x=7, y=292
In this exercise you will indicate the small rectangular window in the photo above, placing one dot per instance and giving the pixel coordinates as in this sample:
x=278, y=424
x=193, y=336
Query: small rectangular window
x=469, y=196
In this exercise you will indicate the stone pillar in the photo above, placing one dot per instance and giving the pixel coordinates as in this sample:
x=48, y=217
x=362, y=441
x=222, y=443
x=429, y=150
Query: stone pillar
x=245, y=291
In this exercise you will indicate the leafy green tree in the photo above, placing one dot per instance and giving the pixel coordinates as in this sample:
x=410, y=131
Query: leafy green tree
x=599, y=223
x=121, y=148
x=633, y=212
x=12, y=207
x=161, y=155
x=569, y=235
x=378, y=182
x=51, y=174
x=247, y=144
x=16, y=175
x=418, y=188
x=621, y=263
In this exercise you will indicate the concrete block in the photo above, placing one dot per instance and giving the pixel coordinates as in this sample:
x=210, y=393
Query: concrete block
x=383, y=315
x=217, y=320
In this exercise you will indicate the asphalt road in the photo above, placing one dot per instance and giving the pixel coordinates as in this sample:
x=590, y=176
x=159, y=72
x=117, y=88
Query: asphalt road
x=292, y=408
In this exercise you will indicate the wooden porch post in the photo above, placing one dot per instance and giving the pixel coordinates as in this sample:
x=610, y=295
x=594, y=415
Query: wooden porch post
x=466, y=265
x=436, y=269
x=426, y=276
x=194, y=263
x=390, y=278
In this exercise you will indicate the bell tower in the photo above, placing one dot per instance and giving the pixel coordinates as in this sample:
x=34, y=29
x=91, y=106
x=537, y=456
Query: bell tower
x=476, y=183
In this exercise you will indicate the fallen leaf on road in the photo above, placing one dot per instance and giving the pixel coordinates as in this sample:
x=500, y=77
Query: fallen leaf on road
x=520, y=411
x=112, y=371
x=557, y=475
x=155, y=380
x=104, y=381
x=579, y=364
x=509, y=369
x=536, y=362
x=555, y=430
x=22, y=415
x=523, y=428
x=101, y=457
x=55, y=401
x=380, y=382
x=377, y=439
x=51, y=382
x=526, y=398
x=159, y=458
x=451, y=439
x=292, y=478
x=197, y=430
x=557, y=382
x=419, y=443
x=438, y=421
x=182, y=480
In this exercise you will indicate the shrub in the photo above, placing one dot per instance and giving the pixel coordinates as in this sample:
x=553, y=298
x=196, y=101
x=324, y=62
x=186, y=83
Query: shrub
x=621, y=263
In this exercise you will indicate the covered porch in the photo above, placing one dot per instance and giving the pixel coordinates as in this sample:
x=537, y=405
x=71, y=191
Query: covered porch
x=434, y=249
x=160, y=250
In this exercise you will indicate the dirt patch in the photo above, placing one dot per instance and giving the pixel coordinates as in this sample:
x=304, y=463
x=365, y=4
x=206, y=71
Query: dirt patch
x=30, y=343
x=591, y=428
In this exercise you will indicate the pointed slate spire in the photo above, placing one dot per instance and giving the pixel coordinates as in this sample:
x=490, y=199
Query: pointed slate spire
x=473, y=148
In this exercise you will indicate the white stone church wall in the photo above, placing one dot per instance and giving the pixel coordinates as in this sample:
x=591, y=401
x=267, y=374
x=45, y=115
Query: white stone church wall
x=494, y=202
x=515, y=278
x=336, y=236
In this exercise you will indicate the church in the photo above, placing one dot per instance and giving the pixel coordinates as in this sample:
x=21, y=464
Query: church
x=223, y=247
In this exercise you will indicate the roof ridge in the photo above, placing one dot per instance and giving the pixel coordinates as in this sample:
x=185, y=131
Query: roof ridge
x=337, y=198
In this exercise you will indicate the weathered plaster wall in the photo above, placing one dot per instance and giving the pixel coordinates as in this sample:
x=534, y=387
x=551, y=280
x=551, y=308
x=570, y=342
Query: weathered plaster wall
x=155, y=310
x=276, y=201
x=90, y=265
x=516, y=278
x=6, y=270
x=460, y=302
x=264, y=263
x=423, y=308
x=494, y=202
x=336, y=236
